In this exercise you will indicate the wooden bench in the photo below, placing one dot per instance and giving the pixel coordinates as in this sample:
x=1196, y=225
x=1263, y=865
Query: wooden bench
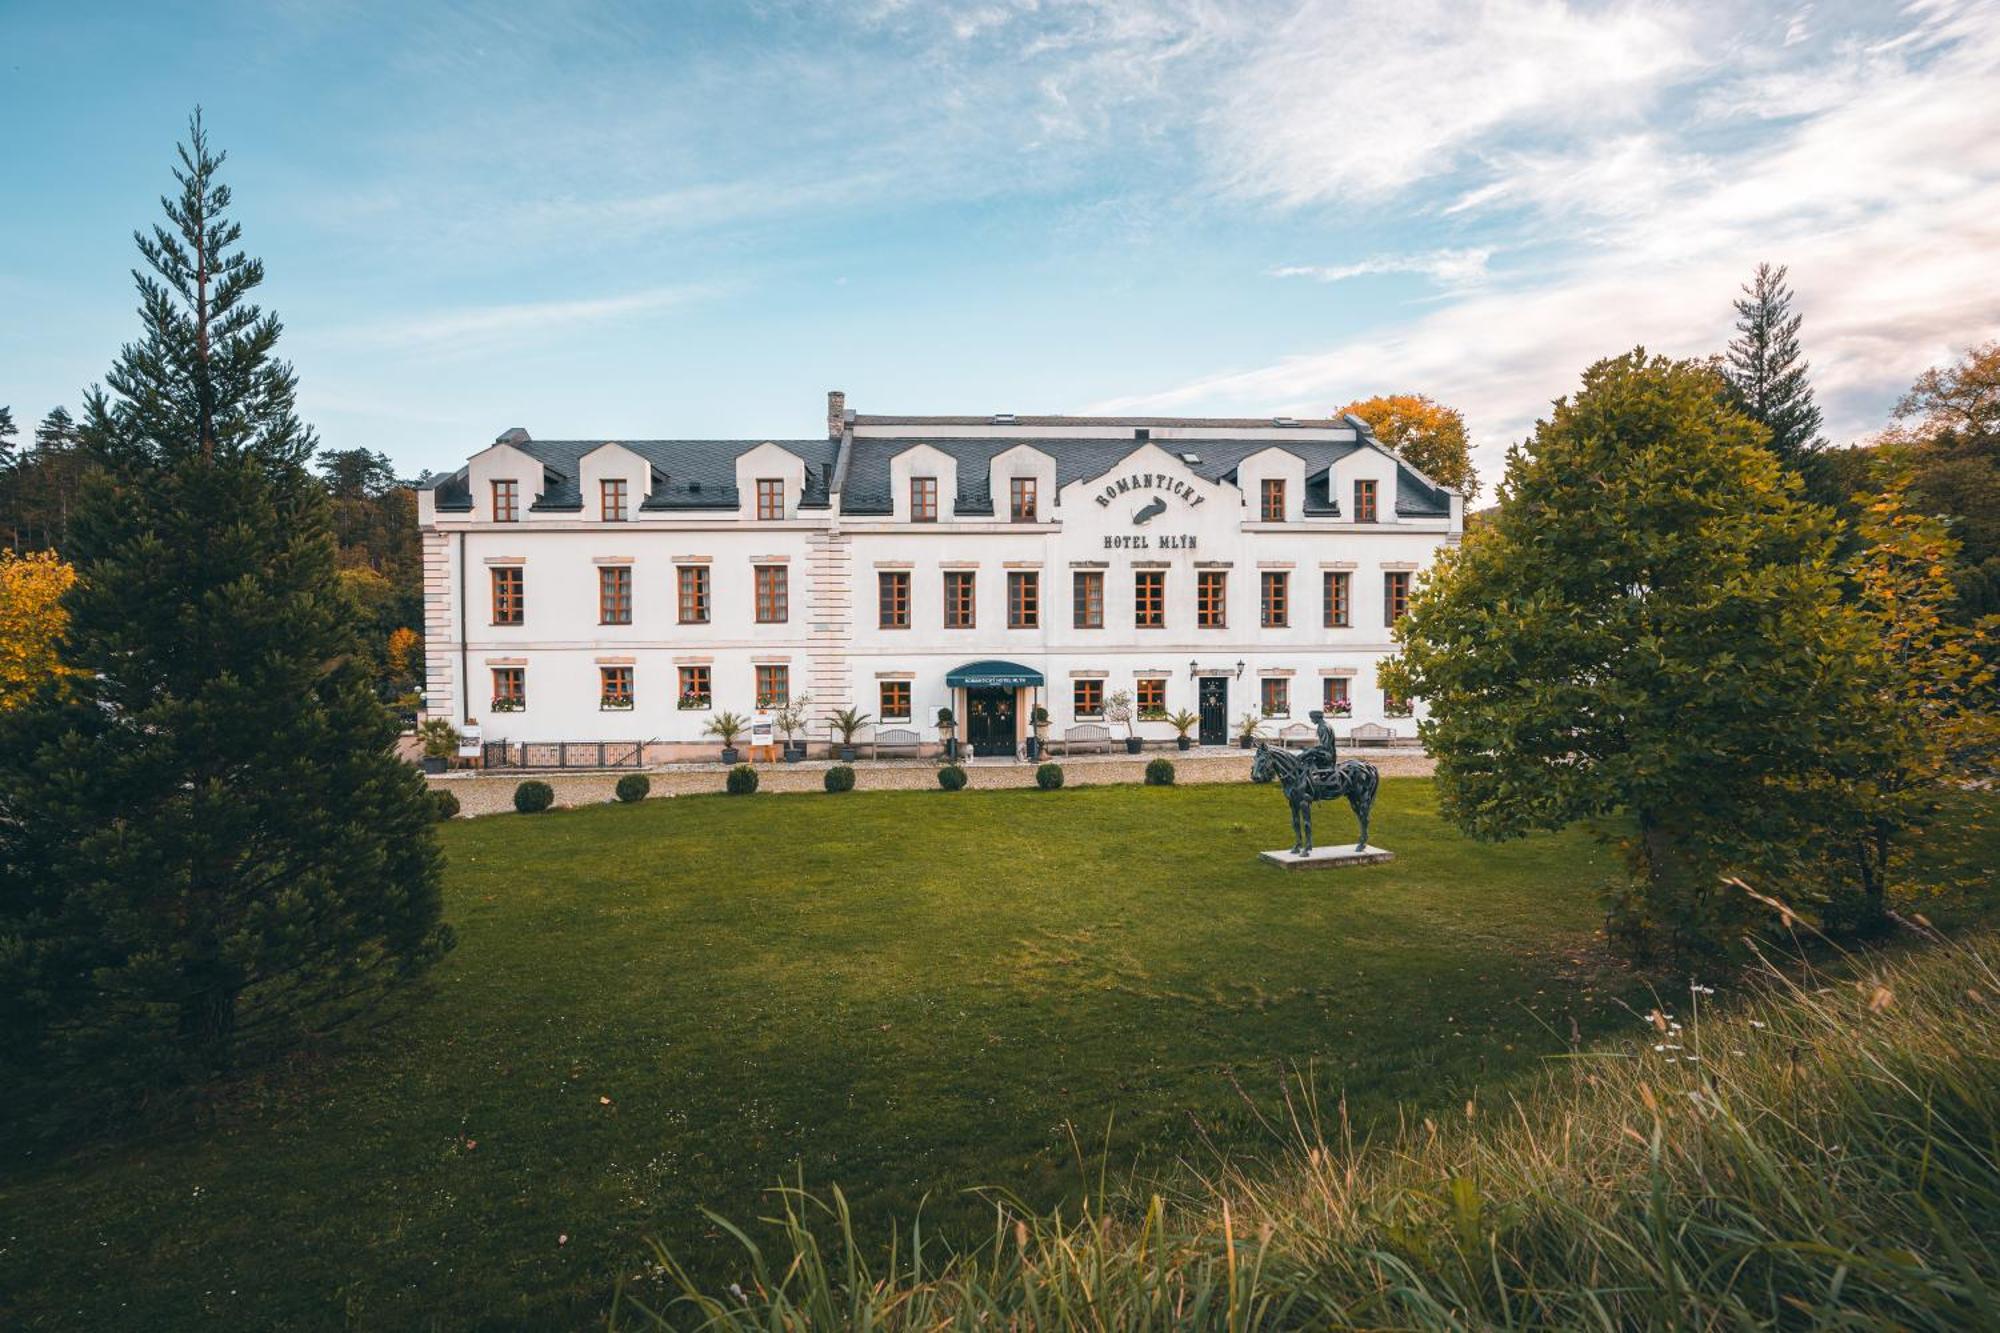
x=1298, y=736
x=1088, y=734
x=1371, y=733
x=896, y=738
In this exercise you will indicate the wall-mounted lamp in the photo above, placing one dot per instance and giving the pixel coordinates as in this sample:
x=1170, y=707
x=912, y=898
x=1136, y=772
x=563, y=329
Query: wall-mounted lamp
x=1194, y=669
x=1239, y=668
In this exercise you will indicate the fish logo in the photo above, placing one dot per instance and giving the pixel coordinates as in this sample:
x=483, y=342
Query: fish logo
x=1149, y=512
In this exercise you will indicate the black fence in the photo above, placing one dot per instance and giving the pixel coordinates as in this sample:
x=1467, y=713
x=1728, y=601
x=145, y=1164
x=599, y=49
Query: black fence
x=563, y=754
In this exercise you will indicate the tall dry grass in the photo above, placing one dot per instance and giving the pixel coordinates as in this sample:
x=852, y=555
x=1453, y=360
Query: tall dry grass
x=1827, y=1154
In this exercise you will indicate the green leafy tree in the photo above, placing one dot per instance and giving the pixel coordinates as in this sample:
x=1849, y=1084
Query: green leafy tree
x=212, y=849
x=1947, y=436
x=1941, y=694
x=1649, y=626
x=1768, y=370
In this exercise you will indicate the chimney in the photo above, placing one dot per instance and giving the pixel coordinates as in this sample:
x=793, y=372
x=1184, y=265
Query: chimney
x=836, y=414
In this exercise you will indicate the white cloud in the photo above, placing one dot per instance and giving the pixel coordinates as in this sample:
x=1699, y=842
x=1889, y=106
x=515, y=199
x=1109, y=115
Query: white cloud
x=472, y=328
x=1449, y=268
x=1885, y=203
x=1359, y=101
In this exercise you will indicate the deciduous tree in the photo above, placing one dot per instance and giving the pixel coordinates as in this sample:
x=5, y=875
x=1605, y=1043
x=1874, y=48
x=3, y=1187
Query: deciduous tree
x=31, y=623
x=1651, y=625
x=1424, y=431
x=1947, y=435
x=211, y=849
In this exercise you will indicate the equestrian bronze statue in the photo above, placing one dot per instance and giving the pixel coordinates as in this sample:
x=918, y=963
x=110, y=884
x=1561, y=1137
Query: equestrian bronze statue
x=1318, y=774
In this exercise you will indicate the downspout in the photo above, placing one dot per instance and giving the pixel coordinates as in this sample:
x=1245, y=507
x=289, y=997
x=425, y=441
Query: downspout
x=464, y=658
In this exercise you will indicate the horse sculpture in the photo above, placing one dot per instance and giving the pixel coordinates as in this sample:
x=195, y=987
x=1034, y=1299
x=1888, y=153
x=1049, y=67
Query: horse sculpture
x=1304, y=784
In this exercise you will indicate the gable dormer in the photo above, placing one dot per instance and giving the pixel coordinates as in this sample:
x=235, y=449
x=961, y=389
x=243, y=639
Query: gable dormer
x=1286, y=473
x=505, y=481
x=613, y=481
x=1362, y=485
x=923, y=463
x=1026, y=474
x=770, y=482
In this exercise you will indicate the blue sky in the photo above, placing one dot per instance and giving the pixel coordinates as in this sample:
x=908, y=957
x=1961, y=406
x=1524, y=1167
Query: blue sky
x=685, y=219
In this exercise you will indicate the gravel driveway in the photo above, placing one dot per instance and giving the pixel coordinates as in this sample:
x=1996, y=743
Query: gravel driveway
x=486, y=794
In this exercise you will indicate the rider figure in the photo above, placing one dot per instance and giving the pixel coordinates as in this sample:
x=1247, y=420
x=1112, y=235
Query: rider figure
x=1321, y=758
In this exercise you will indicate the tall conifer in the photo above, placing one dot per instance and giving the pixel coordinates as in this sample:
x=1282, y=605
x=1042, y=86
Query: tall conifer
x=1768, y=370
x=210, y=847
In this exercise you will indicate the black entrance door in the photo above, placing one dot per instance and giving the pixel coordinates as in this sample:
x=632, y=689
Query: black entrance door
x=1215, y=710
x=989, y=721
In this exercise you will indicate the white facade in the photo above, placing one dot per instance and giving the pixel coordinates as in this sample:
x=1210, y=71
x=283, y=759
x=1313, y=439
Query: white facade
x=1174, y=504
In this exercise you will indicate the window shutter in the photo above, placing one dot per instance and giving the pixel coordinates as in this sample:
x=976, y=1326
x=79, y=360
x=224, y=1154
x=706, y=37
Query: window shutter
x=1388, y=600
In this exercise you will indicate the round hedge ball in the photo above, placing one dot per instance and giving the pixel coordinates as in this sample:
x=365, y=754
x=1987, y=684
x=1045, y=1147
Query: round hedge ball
x=742, y=780
x=1049, y=777
x=444, y=803
x=633, y=787
x=840, y=778
x=1160, y=773
x=534, y=796
x=951, y=777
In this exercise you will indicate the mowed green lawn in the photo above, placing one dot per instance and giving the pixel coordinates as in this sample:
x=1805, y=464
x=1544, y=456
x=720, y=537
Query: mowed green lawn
x=908, y=994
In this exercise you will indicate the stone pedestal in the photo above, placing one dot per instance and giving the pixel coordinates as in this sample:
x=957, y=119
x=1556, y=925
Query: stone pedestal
x=1329, y=858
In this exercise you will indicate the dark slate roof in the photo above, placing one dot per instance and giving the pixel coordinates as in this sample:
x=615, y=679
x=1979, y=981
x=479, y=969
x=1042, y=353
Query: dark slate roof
x=701, y=474
x=1080, y=459
x=1206, y=423
x=687, y=474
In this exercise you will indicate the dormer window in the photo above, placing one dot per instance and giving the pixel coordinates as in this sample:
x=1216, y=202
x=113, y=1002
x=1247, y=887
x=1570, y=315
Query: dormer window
x=1274, y=500
x=923, y=499
x=1021, y=499
x=611, y=499
x=506, y=502
x=1364, y=502
x=770, y=497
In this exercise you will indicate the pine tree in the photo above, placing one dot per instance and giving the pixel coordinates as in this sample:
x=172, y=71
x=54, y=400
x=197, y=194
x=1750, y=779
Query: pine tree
x=1767, y=370
x=212, y=849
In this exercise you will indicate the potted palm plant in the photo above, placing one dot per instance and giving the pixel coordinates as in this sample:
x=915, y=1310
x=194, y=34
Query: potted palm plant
x=790, y=721
x=1183, y=722
x=1038, y=722
x=1118, y=708
x=440, y=740
x=1249, y=728
x=848, y=722
x=947, y=730
x=727, y=727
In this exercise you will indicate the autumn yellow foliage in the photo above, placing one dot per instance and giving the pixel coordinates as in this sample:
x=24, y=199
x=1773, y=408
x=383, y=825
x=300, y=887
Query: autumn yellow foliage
x=32, y=619
x=1425, y=432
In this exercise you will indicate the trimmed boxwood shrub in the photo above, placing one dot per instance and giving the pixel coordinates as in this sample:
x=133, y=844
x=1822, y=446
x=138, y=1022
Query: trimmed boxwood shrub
x=951, y=777
x=742, y=780
x=1160, y=773
x=840, y=778
x=444, y=802
x=1048, y=777
x=534, y=796
x=633, y=787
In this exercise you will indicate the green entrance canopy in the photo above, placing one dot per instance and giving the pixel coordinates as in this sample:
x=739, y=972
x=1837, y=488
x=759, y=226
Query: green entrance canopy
x=981, y=675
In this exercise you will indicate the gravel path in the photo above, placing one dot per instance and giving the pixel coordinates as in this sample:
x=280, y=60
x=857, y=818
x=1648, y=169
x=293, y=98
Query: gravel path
x=484, y=794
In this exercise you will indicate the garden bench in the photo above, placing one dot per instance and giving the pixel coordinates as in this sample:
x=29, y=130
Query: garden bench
x=1371, y=733
x=1088, y=734
x=896, y=738
x=1298, y=736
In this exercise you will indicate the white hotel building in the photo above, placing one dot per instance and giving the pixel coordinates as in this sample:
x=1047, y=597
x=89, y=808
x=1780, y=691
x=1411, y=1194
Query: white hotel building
x=627, y=591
